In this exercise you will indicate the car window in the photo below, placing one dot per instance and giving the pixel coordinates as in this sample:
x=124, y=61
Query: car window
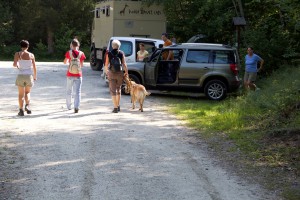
x=126, y=47
x=198, y=56
x=224, y=57
x=177, y=54
x=149, y=46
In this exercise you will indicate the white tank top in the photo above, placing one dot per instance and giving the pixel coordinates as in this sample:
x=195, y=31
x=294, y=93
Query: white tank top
x=25, y=66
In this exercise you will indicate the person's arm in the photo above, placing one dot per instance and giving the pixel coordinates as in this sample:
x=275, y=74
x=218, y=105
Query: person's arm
x=16, y=59
x=106, y=64
x=169, y=43
x=169, y=55
x=137, y=56
x=34, y=68
x=82, y=58
x=124, y=65
x=66, y=60
x=261, y=64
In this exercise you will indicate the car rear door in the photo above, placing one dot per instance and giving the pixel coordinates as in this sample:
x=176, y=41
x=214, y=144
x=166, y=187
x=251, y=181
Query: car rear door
x=195, y=66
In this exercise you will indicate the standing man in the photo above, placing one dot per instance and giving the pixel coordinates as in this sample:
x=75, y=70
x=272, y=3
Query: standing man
x=167, y=55
x=74, y=74
x=251, y=60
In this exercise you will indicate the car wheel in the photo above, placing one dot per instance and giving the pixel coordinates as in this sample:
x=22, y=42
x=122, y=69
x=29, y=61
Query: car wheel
x=133, y=78
x=215, y=90
x=95, y=63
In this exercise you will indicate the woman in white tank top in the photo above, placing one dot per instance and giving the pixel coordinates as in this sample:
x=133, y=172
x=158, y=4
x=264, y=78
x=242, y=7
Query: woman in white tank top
x=25, y=62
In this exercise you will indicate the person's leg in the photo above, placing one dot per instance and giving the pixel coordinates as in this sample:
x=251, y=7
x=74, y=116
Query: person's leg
x=21, y=100
x=252, y=86
x=246, y=81
x=252, y=79
x=118, y=90
x=115, y=101
x=113, y=93
x=27, y=99
x=69, y=92
x=77, y=91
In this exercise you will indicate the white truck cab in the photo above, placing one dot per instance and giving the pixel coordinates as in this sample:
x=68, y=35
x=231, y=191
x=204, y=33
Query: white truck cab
x=128, y=19
x=130, y=46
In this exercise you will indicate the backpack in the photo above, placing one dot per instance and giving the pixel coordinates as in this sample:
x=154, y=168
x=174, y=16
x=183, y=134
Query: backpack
x=115, y=62
x=74, y=67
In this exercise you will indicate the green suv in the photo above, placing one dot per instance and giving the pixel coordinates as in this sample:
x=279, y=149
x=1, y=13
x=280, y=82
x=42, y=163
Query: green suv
x=194, y=67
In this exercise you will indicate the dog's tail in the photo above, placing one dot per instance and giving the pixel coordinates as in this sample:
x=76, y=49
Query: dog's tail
x=146, y=92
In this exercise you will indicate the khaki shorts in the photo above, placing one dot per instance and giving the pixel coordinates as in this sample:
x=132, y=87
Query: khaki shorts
x=24, y=80
x=115, y=82
x=250, y=76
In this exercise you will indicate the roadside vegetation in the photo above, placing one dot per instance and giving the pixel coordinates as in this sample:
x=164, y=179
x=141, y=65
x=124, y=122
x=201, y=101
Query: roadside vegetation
x=263, y=126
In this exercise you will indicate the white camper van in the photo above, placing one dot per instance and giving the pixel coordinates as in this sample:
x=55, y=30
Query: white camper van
x=124, y=18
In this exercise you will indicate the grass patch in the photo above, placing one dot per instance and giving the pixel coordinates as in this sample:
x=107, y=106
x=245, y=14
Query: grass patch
x=264, y=125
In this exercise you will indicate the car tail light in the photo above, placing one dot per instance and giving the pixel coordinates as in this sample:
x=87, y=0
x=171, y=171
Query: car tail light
x=234, y=69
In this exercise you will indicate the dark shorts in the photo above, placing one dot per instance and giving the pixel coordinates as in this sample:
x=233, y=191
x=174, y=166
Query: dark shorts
x=115, y=82
x=24, y=80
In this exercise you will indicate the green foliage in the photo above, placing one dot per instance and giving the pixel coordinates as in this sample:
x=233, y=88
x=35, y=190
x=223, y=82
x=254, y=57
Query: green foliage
x=5, y=22
x=264, y=125
x=273, y=30
x=273, y=26
x=40, y=50
x=8, y=52
x=42, y=18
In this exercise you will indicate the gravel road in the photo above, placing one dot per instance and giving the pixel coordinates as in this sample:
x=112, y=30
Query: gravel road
x=95, y=154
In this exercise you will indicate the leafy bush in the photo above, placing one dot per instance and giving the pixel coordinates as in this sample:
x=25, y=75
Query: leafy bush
x=10, y=51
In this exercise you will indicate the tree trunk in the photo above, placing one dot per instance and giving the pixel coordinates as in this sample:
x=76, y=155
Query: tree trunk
x=50, y=40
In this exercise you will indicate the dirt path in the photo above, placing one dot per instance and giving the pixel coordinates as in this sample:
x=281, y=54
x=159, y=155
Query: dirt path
x=96, y=154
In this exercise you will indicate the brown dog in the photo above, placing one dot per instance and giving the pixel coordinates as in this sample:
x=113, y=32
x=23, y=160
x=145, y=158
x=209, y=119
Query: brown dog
x=137, y=92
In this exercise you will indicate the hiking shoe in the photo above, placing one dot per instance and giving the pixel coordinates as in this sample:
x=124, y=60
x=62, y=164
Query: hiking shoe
x=119, y=109
x=115, y=110
x=27, y=109
x=76, y=110
x=21, y=112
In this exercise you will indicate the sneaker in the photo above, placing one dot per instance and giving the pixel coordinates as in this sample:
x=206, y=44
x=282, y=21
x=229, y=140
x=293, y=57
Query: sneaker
x=76, y=110
x=21, y=112
x=119, y=109
x=115, y=110
x=27, y=109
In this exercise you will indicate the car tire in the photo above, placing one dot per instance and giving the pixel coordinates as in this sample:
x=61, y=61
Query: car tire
x=133, y=78
x=95, y=63
x=215, y=90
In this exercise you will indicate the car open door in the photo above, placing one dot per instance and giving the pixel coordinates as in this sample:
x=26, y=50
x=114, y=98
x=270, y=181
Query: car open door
x=150, y=75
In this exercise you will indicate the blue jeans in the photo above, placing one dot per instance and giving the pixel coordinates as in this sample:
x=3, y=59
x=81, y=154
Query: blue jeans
x=73, y=85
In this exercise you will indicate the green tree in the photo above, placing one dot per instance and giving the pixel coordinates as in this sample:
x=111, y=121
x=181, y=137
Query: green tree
x=5, y=22
x=42, y=19
x=273, y=26
x=273, y=30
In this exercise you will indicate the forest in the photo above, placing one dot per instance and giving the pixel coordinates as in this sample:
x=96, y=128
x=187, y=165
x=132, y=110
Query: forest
x=272, y=26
